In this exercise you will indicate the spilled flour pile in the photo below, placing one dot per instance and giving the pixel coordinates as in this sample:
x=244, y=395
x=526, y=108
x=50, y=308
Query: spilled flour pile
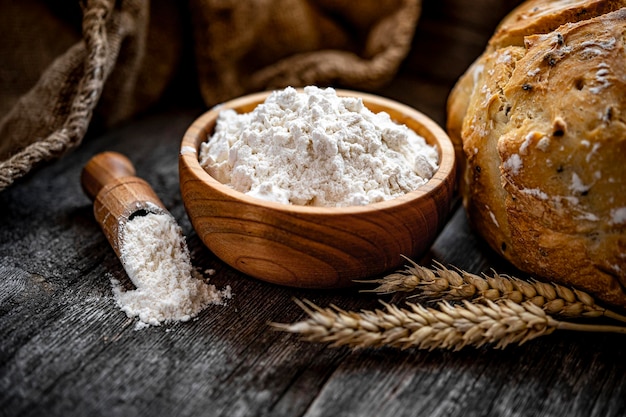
x=156, y=258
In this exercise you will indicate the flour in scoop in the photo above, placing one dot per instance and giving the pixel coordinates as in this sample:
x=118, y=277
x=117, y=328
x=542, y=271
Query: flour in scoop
x=167, y=287
x=316, y=148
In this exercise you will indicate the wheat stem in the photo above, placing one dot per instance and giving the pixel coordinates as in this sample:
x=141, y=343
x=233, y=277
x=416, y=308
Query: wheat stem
x=449, y=327
x=444, y=283
x=585, y=327
x=615, y=316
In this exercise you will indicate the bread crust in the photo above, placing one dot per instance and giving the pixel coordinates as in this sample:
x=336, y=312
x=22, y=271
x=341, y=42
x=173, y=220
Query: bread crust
x=544, y=16
x=542, y=129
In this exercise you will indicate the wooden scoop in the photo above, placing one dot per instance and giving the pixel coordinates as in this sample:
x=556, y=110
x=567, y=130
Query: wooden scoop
x=118, y=195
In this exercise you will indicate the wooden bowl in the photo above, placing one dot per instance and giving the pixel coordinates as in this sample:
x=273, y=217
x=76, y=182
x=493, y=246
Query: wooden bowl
x=315, y=247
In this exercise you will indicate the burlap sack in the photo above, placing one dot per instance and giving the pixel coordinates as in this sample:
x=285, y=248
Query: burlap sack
x=67, y=65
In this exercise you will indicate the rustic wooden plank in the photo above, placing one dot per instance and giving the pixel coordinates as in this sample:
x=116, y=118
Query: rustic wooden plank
x=554, y=377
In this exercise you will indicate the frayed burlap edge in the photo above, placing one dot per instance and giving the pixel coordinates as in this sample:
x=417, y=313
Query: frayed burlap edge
x=96, y=54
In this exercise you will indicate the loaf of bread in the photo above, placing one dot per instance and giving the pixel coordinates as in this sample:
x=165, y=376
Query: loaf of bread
x=539, y=126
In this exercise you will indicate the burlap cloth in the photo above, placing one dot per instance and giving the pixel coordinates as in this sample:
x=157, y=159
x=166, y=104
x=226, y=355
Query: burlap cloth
x=66, y=64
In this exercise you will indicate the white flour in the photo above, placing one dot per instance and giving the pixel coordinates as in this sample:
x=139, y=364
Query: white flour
x=156, y=258
x=315, y=148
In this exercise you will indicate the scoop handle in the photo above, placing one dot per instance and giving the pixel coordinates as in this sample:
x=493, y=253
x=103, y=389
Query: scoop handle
x=109, y=180
x=104, y=169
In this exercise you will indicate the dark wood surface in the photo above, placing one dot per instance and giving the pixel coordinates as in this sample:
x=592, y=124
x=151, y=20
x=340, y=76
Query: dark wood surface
x=67, y=350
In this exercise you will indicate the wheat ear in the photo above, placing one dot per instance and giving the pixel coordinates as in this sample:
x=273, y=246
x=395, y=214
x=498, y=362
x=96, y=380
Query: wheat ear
x=449, y=327
x=444, y=283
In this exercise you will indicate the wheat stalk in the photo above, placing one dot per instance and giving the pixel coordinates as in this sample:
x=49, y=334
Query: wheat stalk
x=445, y=283
x=449, y=327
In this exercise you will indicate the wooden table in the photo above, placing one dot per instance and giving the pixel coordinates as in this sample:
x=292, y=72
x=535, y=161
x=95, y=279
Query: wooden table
x=67, y=350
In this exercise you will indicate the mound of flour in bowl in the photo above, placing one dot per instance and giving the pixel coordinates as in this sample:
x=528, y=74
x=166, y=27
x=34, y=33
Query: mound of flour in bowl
x=316, y=148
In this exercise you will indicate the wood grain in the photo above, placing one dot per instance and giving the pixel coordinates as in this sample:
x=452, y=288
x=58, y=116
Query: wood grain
x=104, y=169
x=316, y=247
x=109, y=180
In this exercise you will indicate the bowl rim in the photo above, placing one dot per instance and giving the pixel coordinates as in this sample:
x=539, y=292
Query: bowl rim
x=190, y=146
